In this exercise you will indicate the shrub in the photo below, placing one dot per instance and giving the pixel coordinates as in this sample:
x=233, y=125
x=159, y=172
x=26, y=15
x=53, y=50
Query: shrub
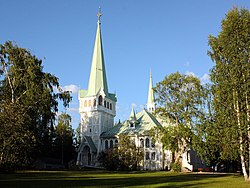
x=176, y=167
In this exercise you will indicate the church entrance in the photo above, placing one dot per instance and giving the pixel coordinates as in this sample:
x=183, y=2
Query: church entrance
x=86, y=156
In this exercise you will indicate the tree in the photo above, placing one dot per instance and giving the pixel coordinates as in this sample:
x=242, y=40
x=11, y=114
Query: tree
x=180, y=99
x=231, y=86
x=65, y=149
x=24, y=85
x=124, y=156
x=15, y=137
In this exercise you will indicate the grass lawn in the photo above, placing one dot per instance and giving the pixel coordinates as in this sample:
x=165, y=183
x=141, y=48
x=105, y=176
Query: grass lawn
x=91, y=179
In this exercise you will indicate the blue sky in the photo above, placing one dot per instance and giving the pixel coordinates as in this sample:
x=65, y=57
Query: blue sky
x=138, y=35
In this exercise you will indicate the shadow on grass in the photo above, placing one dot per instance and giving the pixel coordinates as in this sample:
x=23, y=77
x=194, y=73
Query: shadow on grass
x=107, y=179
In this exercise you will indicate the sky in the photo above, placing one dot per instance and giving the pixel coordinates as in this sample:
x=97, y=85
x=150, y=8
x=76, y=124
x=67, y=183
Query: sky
x=138, y=36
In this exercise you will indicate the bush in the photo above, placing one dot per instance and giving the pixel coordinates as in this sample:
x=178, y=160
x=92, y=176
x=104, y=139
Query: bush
x=109, y=159
x=176, y=167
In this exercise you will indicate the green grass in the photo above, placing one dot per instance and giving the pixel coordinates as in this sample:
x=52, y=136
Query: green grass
x=39, y=179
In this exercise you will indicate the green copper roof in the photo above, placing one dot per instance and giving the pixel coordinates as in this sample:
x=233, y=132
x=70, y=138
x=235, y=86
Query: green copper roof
x=151, y=97
x=132, y=114
x=146, y=121
x=97, y=79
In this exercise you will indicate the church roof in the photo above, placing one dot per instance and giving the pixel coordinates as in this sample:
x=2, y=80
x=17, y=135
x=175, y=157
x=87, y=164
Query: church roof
x=91, y=143
x=97, y=78
x=145, y=122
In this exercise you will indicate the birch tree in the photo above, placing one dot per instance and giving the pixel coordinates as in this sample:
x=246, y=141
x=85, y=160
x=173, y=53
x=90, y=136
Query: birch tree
x=29, y=103
x=179, y=98
x=231, y=85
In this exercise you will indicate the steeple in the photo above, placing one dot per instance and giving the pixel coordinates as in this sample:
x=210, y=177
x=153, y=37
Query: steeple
x=151, y=97
x=98, y=79
x=132, y=114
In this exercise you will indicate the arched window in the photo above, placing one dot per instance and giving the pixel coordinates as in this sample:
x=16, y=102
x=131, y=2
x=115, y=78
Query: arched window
x=111, y=143
x=100, y=100
x=147, y=142
x=141, y=143
x=106, y=144
x=147, y=155
x=89, y=103
x=85, y=103
x=153, y=156
x=116, y=142
x=110, y=106
x=94, y=103
x=152, y=143
x=104, y=103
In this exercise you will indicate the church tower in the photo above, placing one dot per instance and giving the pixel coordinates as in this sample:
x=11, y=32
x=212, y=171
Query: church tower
x=151, y=98
x=97, y=106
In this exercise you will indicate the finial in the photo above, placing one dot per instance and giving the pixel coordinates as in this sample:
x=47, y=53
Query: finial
x=99, y=14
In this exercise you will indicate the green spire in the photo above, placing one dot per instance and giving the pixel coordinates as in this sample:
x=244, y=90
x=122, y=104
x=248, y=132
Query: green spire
x=132, y=114
x=97, y=79
x=151, y=97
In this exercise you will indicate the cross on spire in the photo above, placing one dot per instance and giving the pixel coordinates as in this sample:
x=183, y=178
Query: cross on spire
x=99, y=14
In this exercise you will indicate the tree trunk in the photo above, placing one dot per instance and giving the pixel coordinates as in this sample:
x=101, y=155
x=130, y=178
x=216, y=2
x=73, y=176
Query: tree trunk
x=242, y=157
x=11, y=87
x=248, y=128
x=248, y=135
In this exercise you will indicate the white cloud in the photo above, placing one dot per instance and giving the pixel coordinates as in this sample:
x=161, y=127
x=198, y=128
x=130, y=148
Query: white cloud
x=205, y=78
x=73, y=88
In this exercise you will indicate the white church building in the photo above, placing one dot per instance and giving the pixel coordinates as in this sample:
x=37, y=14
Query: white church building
x=97, y=110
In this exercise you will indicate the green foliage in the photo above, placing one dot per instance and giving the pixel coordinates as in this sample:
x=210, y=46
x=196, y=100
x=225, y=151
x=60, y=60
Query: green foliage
x=110, y=159
x=17, y=141
x=180, y=98
x=176, y=167
x=125, y=156
x=23, y=84
x=64, y=138
x=231, y=86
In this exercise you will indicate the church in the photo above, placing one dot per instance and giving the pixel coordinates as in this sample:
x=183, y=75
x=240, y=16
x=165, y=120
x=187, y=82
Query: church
x=97, y=108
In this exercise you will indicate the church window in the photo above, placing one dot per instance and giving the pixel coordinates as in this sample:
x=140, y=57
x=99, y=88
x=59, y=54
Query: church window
x=147, y=155
x=111, y=143
x=157, y=157
x=85, y=103
x=106, y=144
x=188, y=158
x=116, y=142
x=147, y=142
x=104, y=103
x=108, y=105
x=141, y=143
x=153, y=156
x=132, y=125
x=90, y=130
x=152, y=143
x=89, y=103
x=94, y=102
x=100, y=100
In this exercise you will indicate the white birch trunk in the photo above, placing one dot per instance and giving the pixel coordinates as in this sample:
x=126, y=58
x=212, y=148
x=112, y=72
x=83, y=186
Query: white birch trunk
x=248, y=135
x=242, y=158
x=248, y=129
x=11, y=87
